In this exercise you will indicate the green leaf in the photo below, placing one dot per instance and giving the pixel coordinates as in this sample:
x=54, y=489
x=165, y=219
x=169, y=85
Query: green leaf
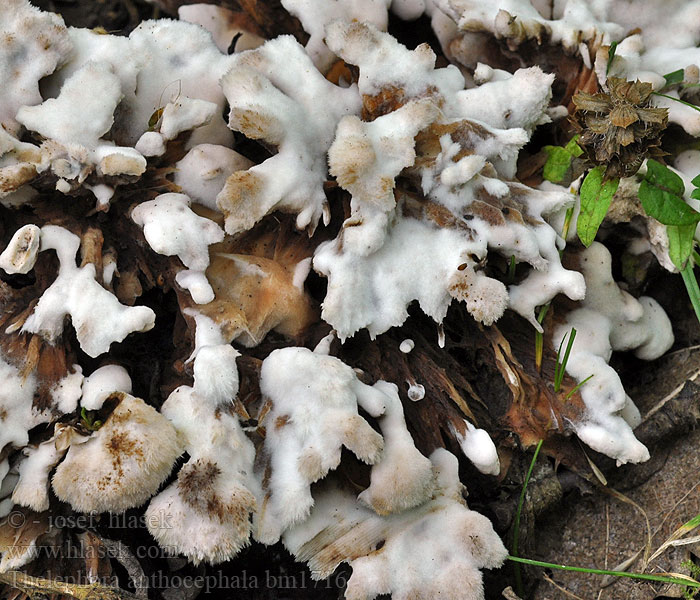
x=666, y=207
x=559, y=160
x=662, y=177
x=558, y=163
x=611, y=55
x=680, y=243
x=674, y=77
x=696, y=192
x=575, y=150
x=661, y=196
x=596, y=196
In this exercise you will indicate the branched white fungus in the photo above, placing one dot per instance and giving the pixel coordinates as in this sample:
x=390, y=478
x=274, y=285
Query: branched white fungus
x=314, y=399
x=268, y=104
x=205, y=513
x=417, y=162
x=432, y=551
x=97, y=316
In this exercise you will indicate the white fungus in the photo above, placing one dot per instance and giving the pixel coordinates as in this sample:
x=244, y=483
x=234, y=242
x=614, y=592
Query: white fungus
x=304, y=388
x=97, y=316
x=407, y=345
x=122, y=464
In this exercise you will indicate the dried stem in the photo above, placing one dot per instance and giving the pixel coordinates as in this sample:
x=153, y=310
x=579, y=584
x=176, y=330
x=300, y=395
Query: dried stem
x=33, y=586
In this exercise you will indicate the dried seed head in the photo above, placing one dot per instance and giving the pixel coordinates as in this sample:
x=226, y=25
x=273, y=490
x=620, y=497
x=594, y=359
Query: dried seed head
x=621, y=128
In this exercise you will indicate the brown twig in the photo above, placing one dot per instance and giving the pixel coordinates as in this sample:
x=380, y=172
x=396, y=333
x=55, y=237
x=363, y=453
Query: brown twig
x=32, y=586
x=121, y=553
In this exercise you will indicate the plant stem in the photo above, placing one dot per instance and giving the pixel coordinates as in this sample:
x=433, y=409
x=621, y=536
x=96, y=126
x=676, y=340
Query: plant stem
x=691, y=284
x=539, y=338
x=677, y=100
x=516, y=523
x=648, y=577
x=511, y=270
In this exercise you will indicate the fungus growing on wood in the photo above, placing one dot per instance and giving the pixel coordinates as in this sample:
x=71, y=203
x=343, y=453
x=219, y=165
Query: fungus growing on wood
x=122, y=464
x=352, y=209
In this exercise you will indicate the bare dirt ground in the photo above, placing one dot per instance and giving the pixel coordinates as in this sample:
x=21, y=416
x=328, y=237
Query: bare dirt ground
x=603, y=531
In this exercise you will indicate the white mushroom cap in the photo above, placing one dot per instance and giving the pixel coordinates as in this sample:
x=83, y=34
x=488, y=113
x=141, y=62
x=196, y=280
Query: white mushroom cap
x=204, y=515
x=122, y=464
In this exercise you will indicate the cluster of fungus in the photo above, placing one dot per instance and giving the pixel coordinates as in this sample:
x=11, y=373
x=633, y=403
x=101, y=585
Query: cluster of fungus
x=293, y=203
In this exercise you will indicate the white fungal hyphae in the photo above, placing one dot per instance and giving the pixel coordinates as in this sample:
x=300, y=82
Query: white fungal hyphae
x=97, y=316
x=32, y=488
x=102, y=383
x=367, y=265
x=478, y=447
x=17, y=405
x=268, y=103
x=314, y=399
x=403, y=477
x=316, y=14
x=407, y=345
x=204, y=170
x=416, y=391
x=205, y=513
x=610, y=319
x=20, y=254
x=365, y=158
x=172, y=228
x=577, y=21
x=176, y=59
x=402, y=171
x=221, y=23
x=435, y=550
x=33, y=45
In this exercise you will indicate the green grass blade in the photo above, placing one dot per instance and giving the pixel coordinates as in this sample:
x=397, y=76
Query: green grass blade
x=677, y=100
x=690, y=582
x=567, y=222
x=511, y=269
x=539, y=338
x=611, y=55
x=578, y=387
x=560, y=369
x=691, y=284
x=516, y=523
